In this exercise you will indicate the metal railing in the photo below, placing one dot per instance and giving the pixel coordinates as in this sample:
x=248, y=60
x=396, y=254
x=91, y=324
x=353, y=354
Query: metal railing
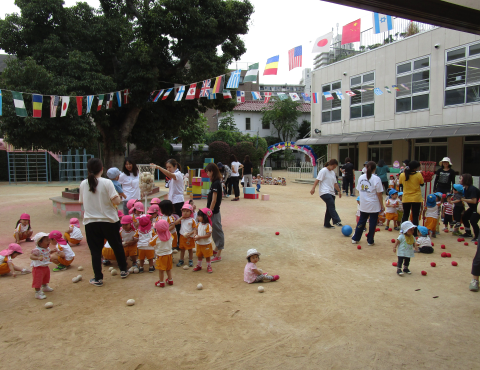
x=28, y=167
x=73, y=167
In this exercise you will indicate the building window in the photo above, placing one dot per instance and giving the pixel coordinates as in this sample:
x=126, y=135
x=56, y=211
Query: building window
x=413, y=80
x=362, y=104
x=471, y=155
x=247, y=124
x=241, y=80
x=331, y=109
x=266, y=126
x=462, y=75
x=431, y=149
x=380, y=150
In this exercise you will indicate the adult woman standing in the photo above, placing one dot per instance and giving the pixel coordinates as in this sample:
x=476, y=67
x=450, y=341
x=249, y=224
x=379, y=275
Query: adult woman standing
x=348, y=178
x=235, y=177
x=381, y=172
x=214, y=200
x=247, y=171
x=444, y=177
x=175, y=189
x=130, y=181
x=471, y=197
x=101, y=221
x=412, y=193
x=328, y=184
x=371, y=203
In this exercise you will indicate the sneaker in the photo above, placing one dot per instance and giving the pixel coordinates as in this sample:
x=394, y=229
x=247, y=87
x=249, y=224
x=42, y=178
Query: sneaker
x=406, y=270
x=60, y=267
x=434, y=235
x=169, y=282
x=46, y=288
x=190, y=263
x=151, y=269
x=473, y=286
x=96, y=282
x=160, y=284
x=371, y=244
x=467, y=235
x=140, y=270
x=209, y=269
x=216, y=259
x=180, y=263
x=339, y=224
x=396, y=228
x=473, y=241
x=26, y=271
x=106, y=262
x=124, y=274
x=329, y=226
x=386, y=228
x=445, y=229
x=215, y=253
x=354, y=241
x=352, y=195
x=227, y=195
x=399, y=272
x=41, y=295
x=197, y=268
x=29, y=240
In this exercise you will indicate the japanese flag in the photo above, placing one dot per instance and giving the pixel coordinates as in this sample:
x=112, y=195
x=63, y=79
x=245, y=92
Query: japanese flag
x=191, y=92
x=322, y=43
x=65, y=102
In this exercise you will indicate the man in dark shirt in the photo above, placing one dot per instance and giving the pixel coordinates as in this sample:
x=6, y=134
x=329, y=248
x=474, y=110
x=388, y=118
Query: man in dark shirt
x=348, y=178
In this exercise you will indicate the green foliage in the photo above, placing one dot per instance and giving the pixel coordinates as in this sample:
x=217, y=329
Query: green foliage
x=220, y=151
x=246, y=148
x=220, y=135
x=288, y=155
x=319, y=150
x=227, y=122
x=283, y=116
x=304, y=129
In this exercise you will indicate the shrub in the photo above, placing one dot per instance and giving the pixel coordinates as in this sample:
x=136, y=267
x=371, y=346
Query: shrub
x=220, y=152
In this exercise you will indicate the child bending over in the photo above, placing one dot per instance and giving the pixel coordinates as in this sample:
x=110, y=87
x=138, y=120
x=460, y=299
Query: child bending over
x=74, y=235
x=129, y=241
x=252, y=274
x=6, y=263
x=424, y=242
x=64, y=255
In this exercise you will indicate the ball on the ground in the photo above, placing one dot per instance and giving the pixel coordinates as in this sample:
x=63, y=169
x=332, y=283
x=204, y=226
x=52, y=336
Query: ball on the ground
x=393, y=240
x=394, y=264
x=466, y=243
x=449, y=255
x=111, y=268
x=114, y=272
x=185, y=267
x=261, y=289
x=79, y=277
x=130, y=302
x=444, y=254
x=463, y=239
x=433, y=264
x=75, y=279
x=277, y=233
x=433, y=244
x=80, y=268
x=347, y=230
x=424, y=273
x=48, y=305
x=476, y=243
x=174, y=251
x=359, y=247
x=377, y=229
x=131, y=269
x=462, y=228
x=442, y=246
x=136, y=270
x=199, y=287
x=454, y=263
x=390, y=229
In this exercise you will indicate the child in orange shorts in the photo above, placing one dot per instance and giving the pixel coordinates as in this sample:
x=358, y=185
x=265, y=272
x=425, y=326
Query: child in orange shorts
x=391, y=209
x=137, y=212
x=153, y=213
x=23, y=229
x=6, y=257
x=186, y=234
x=430, y=215
x=74, y=235
x=129, y=241
x=203, y=239
x=144, y=234
x=162, y=243
x=166, y=213
x=64, y=255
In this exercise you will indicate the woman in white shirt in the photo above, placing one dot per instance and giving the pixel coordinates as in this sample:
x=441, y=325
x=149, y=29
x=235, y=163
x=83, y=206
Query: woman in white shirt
x=370, y=189
x=328, y=184
x=234, y=177
x=175, y=190
x=130, y=181
x=100, y=199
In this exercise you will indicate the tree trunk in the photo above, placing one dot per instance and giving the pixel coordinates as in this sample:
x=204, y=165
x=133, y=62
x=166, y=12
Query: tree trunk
x=115, y=140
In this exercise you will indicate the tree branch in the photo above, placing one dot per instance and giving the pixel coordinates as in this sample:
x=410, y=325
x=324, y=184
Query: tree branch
x=131, y=6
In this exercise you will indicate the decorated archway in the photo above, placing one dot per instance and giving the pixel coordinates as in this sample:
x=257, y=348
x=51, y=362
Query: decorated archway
x=291, y=145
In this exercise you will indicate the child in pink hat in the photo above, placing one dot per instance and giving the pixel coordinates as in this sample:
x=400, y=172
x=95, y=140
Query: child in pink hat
x=6, y=257
x=73, y=235
x=203, y=239
x=186, y=234
x=155, y=201
x=64, y=255
x=144, y=234
x=129, y=241
x=138, y=211
x=40, y=257
x=153, y=213
x=23, y=229
x=162, y=243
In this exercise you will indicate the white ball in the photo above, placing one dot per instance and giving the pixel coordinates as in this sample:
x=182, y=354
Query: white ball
x=111, y=268
x=79, y=277
x=194, y=250
x=199, y=286
x=185, y=267
x=80, y=268
x=261, y=289
x=130, y=302
x=174, y=251
x=114, y=272
x=48, y=305
x=75, y=279
x=131, y=269
x=136, y=270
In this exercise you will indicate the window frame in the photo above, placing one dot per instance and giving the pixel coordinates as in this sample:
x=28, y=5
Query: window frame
x=380, y=146
x=410, y=94
x=430, y=144
x=362, y=104
x=465, y=85
x=248, y=122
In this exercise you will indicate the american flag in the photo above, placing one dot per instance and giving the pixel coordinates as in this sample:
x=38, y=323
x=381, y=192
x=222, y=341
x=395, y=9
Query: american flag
x=295, y=58
x=54, y=100
x=204, y=91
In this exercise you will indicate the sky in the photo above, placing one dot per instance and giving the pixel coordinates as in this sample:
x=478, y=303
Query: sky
x=275, y=27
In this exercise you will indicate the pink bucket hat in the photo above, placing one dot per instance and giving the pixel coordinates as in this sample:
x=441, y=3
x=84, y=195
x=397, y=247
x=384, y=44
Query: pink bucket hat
x=139, y=207
x=126, y=220
x=131, y=203
x=12, y=248
x=145, y=224
x=208, y=212
x=162, y=230
x=151, y=210
x=120, y=214
x=25, y=216
x=57, y=235
x=74, y=221
x=187, y=206
x=156, y=208
x=155, y=201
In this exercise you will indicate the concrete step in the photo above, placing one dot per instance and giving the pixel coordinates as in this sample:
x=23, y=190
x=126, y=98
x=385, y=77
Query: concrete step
x=305, y=181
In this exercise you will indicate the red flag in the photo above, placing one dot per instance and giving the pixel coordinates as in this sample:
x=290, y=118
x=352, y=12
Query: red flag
x=79, y=104
x=191, y=92
x=351, y=32
x=126, y=94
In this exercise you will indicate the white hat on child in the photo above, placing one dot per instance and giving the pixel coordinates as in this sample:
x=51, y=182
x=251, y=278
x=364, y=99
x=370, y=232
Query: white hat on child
x=407, y=225
x=251, y=252
x=39, y=236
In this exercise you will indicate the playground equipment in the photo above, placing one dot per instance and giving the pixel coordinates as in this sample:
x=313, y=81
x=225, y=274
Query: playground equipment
x=73, y=166
x=292, y=146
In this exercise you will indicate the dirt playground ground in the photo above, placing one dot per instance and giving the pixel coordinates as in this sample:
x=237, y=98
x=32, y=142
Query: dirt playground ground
x=334, y=307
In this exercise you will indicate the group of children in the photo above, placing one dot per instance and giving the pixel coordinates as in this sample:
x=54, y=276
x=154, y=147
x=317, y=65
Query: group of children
x=260, y=180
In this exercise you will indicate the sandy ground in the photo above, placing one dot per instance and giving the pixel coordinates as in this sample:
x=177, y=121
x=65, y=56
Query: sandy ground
x=334, y=307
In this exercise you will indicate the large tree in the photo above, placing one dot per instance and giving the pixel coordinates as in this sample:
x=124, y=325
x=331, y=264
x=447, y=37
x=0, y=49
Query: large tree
x=283, y=116
x=141, y=45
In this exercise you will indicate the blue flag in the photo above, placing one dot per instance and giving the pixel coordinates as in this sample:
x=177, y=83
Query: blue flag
x=378, y=91
x=382, y=23
x=234, y=80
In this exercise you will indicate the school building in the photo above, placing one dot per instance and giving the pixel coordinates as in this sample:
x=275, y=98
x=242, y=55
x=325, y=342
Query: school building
x=435, y=113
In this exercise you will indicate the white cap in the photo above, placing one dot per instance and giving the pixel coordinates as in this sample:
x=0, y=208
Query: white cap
x=113, y=172
x=251, y=252
x=407, y=225
x=39, y=236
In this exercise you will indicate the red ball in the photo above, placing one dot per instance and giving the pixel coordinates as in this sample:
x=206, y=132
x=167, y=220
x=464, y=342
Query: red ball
x=359, y=247
x=459, y=240
x=433, y=264
x=393, y=240
x=446, y=231
x=449, y=255
x=390, y=229
x=277, y=233
x=463, y=239
x=476, y=243
x=366, y=234
x=454, y=263
x=377, y=229
x=433, y=244
x=443, y=246
x=462, y=228
x=394, y=264
x=465, y=243
x=444, y=254
x=424, y=273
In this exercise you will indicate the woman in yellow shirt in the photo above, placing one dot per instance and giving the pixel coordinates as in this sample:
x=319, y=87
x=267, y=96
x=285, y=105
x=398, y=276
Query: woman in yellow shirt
x=412, y=181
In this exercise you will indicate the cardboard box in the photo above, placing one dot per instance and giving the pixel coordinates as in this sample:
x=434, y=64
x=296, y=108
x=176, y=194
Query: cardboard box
x=248, y=190
x=265, y=197
x=209, y=160
x=203, y=174
x=250, y=196
x=196, y=189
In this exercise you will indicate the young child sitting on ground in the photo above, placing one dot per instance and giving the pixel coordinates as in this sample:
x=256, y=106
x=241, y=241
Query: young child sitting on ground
x=114, y=174
x=186, y=234
x=447, y=213
x=64, y=255
x=458, y=208
x=144, y=234
x=406, y=247
x=391, y=212
x=23, y=229
x=430, y=214
x=40, y=257
x=6, y=263
x=129, y=241
x=162, y=243
x=424, y=242
x=252, y=274
x=203, y=239
x=74, y=235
